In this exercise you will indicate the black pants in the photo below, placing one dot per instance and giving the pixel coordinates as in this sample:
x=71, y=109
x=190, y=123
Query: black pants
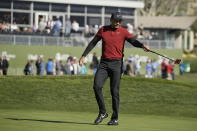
x=112, y=69
x=5, y=71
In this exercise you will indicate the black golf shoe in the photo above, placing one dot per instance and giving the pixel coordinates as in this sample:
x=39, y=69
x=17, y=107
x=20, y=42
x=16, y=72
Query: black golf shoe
x=113, y=122
x=100, y=118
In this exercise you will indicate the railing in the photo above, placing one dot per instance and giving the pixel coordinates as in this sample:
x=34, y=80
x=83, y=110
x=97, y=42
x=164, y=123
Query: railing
x=73, y=40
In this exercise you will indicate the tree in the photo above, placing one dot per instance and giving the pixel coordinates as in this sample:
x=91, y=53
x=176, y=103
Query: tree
x=166, y=7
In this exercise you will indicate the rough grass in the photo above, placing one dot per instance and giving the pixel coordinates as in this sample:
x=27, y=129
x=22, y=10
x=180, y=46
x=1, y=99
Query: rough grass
x=75, y=93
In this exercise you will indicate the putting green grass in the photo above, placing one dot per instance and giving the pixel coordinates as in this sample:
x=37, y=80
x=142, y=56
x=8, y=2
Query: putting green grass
x=35, y=120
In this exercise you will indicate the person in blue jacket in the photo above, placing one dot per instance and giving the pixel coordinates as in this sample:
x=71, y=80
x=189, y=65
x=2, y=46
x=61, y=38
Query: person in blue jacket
x=49, y=66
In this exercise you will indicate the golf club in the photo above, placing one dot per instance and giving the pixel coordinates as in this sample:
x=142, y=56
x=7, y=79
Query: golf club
x=177, y=61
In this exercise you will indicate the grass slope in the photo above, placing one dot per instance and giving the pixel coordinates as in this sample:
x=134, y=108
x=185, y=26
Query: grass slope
x=75, y=93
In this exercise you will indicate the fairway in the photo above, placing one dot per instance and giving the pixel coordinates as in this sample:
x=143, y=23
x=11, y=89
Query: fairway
x=20, y=120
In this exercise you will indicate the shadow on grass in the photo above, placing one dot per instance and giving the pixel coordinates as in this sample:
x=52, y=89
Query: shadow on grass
x=68, y=122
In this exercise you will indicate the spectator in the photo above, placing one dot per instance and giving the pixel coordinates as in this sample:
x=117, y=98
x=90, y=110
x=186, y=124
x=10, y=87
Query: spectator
x=62, y=68
x=170, y=71
x=4, y=27
x=138, y=65
x=57, y=27
x=125, y=63
x=75, y=66
x=91, y=30
x=54, y=67
x=27, y=68
x=86, y=31
x=181, y=68
x=95, y=29
x=130, y=28
x=42, y=25
x=83, y=69
x=68, y=27
x=70, y=57
x=164, y=69
x=132, y=65
x=14, y=27
x=130, y=68
x=154, y=68
x=140, y=34
x=1, y=66
x=34, y=29
x=141, y=28
x=58, y=67
x=67, y=67
x=75, y=26
x=42, y=66
x=49, y=66
x=5, y=65
x=131, y=58
x=49, y=26
x=148, y=69
x=31, y=68
x=38, y=66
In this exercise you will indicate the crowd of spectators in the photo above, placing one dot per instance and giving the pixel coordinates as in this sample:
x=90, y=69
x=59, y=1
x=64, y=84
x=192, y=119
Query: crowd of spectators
x=49, y=28
x=55, y=67
x=140, y=33
x=55, y=27
x=132, y=67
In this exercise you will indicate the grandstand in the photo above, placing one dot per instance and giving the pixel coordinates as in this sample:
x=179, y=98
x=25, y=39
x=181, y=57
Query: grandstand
x=87, y=12
x=24, y=18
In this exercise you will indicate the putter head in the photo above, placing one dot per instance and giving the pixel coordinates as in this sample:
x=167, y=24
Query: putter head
x=177, y=61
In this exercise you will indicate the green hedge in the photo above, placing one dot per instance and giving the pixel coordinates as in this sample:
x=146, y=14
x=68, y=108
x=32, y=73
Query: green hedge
x=193, y=64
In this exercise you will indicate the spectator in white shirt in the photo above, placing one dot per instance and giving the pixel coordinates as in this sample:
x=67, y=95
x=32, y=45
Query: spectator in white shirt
x=75, y=26
x=14, y=27
x=42, y=25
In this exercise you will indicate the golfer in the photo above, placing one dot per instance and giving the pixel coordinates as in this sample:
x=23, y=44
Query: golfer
x=113, y=38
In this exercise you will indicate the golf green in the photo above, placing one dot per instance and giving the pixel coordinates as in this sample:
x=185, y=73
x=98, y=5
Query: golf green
x=36, y=120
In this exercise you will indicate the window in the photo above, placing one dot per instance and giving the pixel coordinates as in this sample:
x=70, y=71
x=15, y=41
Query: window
x=94, y=20
x=5, y=4
x=41, y=6
x=5, y=16
x=109, y=10
x=94, y=9
x=127, y=11
x=107, y=21
x=59, y=7
x=21, y=18
x=79, y=19
x=77, y=9
x=21, y=5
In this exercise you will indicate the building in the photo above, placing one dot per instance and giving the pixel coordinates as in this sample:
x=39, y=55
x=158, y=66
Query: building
x=175, y=29
x=26, y=13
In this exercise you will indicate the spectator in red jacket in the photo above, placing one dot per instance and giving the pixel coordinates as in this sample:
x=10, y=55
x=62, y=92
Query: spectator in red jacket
x=164, y=69
x=170, y=71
